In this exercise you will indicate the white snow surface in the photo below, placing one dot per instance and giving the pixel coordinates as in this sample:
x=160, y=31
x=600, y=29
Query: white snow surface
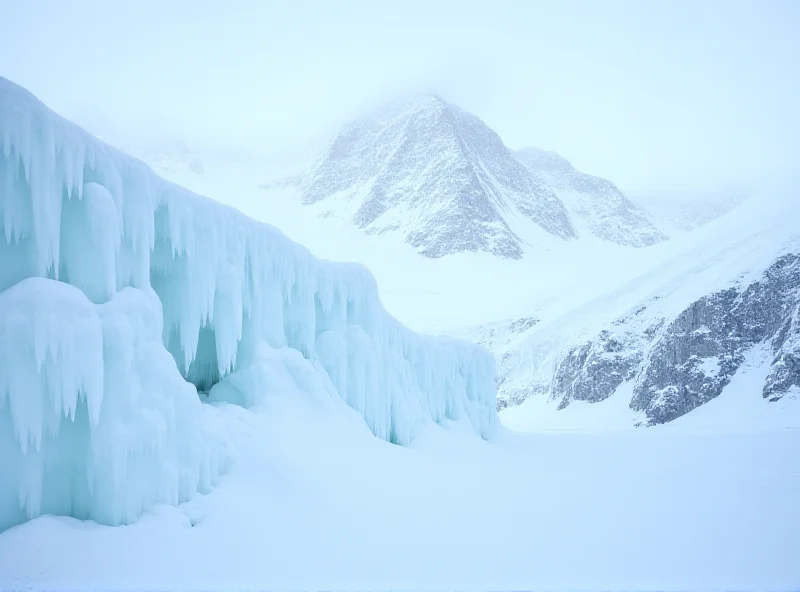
x=597, y=207
x=96, y=420
x=585, y=502
x=679, y=212
x=314, y=502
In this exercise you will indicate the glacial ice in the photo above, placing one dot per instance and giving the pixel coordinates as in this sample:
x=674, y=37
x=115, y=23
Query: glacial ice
x=95, y=419
x=106, y=269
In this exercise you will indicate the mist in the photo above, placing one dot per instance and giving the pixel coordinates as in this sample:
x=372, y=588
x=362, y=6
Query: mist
x=656, y=96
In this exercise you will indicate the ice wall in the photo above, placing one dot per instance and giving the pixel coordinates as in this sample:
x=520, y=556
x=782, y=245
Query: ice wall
x=95, y=419
x=142, y=255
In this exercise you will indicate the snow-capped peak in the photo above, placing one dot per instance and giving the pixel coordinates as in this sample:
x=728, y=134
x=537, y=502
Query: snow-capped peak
x=436, y=174
x=445, y=181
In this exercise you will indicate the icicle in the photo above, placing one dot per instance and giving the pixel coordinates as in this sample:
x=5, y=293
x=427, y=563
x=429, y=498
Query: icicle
x=159, y=285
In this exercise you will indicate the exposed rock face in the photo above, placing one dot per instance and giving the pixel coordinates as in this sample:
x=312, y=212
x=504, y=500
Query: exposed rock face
x=695, y=357
x=594, y=370
x=785, y=372
x=445, y=181
x=439, y=175
x=596, y=205
x=675, y=363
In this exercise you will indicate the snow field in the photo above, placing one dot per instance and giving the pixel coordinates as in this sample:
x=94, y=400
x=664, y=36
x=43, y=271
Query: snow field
x=314, y=501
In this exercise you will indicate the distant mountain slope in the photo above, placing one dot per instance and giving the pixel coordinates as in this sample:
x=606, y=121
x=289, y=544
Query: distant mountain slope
x=444, y=180
x=437, y=174
x=680, y=212
x=596, y=205
x=726, y=302
x=170, y=158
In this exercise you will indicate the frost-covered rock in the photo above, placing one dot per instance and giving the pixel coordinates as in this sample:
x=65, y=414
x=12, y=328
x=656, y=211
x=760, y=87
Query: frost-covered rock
x=696, y=355
x=784, y=375
x=552, y=361
x=436, y=174
x=445, y=181
x=498, y=335
x=592, y=371
x=500, y=338
x=675, y=361
x=595, y=204
x=106, y=270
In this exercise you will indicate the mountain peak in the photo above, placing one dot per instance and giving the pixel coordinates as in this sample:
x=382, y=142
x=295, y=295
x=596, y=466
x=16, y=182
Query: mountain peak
x=439, y=176
x=434, y=100
x=416, y=105
x=420, y=101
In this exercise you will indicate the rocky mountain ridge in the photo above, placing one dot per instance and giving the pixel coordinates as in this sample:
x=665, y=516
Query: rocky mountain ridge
x=673, y=360
x=596, y=205
x=716, y=312
x=447, y=183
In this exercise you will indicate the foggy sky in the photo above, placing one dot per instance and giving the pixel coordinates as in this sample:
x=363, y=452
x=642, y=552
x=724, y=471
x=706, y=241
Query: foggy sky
x=653, y=95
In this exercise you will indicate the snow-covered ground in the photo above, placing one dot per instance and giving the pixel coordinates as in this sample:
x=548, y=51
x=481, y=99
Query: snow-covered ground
x=583, y=501
x=314, y=501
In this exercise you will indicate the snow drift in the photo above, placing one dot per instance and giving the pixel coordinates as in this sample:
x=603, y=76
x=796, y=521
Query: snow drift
x=105, y=267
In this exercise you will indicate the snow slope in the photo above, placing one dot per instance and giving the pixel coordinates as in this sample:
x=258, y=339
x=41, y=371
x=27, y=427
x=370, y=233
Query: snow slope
x=680, y=212
x=105, y=268
x=314, y=502
x=674, y=337
x=596, y=206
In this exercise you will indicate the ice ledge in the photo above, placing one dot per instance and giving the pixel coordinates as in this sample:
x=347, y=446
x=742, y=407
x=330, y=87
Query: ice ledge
x=74, y=209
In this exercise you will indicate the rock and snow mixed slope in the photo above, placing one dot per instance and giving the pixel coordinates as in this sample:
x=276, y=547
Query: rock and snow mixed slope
x=551, y=346
x=312, y=499
x=106, y=270
x=597, y=207
x=673, y=339
x=445, y=181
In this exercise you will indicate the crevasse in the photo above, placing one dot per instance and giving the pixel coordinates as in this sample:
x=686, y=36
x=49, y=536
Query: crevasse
x=107, y=269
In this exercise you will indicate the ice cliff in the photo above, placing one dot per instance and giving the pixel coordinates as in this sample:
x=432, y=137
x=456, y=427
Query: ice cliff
x=106, y=270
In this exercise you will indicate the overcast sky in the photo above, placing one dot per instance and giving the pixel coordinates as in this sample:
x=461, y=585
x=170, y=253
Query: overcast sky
x=653, y=95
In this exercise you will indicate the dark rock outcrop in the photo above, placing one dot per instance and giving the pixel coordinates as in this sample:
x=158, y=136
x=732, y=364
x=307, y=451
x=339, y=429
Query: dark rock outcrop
x=698, y=353
x=675, y=363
